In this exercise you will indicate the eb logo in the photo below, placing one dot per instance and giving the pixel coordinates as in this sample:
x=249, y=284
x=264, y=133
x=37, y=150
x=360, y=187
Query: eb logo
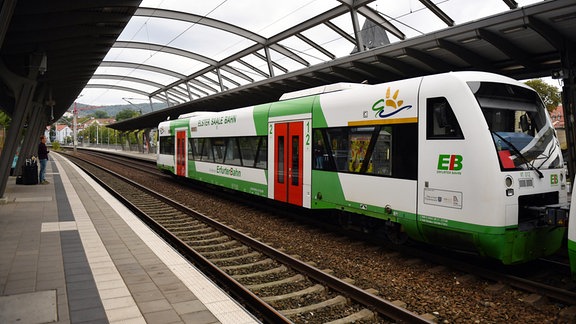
x=450, y=162
x=553, y=179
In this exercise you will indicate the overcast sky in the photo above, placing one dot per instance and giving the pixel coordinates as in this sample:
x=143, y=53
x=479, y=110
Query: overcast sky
x=263, y=17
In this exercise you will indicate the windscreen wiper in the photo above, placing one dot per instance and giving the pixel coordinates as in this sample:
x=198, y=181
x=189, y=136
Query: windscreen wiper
x=530, y=165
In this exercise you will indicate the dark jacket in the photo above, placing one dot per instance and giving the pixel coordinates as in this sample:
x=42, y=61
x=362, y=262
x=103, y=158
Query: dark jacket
x=42, y=152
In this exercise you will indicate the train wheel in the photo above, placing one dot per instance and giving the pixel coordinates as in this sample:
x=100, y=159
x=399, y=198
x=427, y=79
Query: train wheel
x=345, y=221
x=394, y=233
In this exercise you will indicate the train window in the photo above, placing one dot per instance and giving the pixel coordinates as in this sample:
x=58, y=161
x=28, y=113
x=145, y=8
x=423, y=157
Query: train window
x=246, y=151
x=167, y=145
x=295, y=171
x=248, y=146
x=193, y=149
x=358, y=159
x=336, y=146
x=190, y=149
x=441, y=122
x=280, y=159
x=218, y=149
x=523, y=136
x=381, y=162
x=261, y=157
x=232, y=155
x=253, y=151
x=321, y=160
x=206, y=153
x=368, y=150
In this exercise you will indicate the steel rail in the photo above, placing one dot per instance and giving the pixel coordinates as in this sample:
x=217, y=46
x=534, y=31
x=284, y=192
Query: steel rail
x=378, y=304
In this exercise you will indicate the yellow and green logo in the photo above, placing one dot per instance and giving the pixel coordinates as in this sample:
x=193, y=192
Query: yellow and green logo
x=389, y=106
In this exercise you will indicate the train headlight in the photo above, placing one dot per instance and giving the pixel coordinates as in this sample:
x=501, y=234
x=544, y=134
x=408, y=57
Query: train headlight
x=508, y=181
x=509, y=192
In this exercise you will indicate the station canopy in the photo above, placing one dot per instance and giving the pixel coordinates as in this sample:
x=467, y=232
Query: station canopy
x=217, y=55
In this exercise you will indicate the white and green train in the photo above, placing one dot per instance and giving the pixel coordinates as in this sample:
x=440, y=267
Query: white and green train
x=572, y=237
x=466, y=160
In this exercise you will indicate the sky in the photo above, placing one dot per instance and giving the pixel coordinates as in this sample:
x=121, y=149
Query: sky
x=262, y=17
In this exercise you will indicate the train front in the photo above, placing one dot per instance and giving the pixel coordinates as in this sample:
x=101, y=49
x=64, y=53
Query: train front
x=572, y=236
x=531, y=161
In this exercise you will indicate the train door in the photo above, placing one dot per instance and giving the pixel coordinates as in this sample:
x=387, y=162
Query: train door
x=288, y=162
x=181, y=154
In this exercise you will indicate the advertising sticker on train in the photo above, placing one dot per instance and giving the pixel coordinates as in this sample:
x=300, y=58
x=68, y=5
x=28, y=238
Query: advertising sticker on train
x=443, y=198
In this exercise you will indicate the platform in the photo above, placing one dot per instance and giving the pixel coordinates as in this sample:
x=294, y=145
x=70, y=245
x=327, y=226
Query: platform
x=71, y=253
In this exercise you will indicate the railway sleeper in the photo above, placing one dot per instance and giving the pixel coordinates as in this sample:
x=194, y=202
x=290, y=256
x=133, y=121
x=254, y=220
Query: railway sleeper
x=185, y=222
x=172, y=214
x=285, y=281
x=177, y=224
x=181, y=229
x=316, y=289
x=362, y=315
x=209, y=241
x=248, y=265
x=280, y=269
x=152, y=205
x=199, y=228
x=218, y=246
x=334, y=302
x=153, y=202
x=216, y=254
x=236, y=258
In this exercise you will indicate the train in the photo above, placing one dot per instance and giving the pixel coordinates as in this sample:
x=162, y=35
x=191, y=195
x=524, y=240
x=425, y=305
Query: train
x=462, y=160
x=571, y=242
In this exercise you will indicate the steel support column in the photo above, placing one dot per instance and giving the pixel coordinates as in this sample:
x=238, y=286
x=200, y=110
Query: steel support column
x=568, y=102
x=36, y=126
x=220, y=81
x=357, y=30
x=22, y=107
x=269, y=61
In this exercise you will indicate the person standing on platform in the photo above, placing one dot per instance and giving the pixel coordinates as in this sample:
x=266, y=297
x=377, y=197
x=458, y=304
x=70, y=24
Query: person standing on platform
x=43, y=157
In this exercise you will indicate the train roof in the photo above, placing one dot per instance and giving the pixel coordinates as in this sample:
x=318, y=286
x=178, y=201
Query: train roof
x=322, y=89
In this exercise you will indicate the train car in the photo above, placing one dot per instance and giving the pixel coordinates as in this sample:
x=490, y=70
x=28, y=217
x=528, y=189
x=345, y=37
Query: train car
x=466, y=160
x=572, y=236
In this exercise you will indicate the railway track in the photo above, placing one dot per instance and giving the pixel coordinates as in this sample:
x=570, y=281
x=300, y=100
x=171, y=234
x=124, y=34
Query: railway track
x=277, y=286
x=534, y=283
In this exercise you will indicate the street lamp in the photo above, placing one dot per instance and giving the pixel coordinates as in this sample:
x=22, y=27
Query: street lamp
x=75, y=135
x=75, y=113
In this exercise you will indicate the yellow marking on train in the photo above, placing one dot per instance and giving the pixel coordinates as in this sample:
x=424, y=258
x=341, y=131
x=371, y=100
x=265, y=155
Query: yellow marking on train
x=384, y=121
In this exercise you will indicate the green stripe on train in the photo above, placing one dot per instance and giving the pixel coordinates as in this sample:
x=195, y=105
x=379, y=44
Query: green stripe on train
x=505, y=243
x=292, y=107
x=572, y=255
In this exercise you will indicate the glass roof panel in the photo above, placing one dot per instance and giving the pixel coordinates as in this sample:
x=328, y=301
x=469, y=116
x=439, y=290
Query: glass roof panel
x=258, y=21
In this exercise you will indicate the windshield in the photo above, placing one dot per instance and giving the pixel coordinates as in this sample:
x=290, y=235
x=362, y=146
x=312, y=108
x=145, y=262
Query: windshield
x=516, y=117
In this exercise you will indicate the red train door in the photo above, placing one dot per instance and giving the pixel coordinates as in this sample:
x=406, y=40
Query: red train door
x=288, y=164
x=181, y=153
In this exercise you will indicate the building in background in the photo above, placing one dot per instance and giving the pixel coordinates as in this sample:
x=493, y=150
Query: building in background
x=557, y=117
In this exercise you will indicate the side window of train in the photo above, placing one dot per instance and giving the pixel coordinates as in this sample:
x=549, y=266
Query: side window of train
x=206, y=150
x=379, y=150
x=320, y=154
x=194, y=149
x=218, y=149
x=167, y=145
x=441, y=122
x=232, y=155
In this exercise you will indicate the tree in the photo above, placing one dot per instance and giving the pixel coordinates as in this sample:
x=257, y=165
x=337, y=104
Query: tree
x=549, y=93
x=4, y=119
x=99, y=114
x=126, y=114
